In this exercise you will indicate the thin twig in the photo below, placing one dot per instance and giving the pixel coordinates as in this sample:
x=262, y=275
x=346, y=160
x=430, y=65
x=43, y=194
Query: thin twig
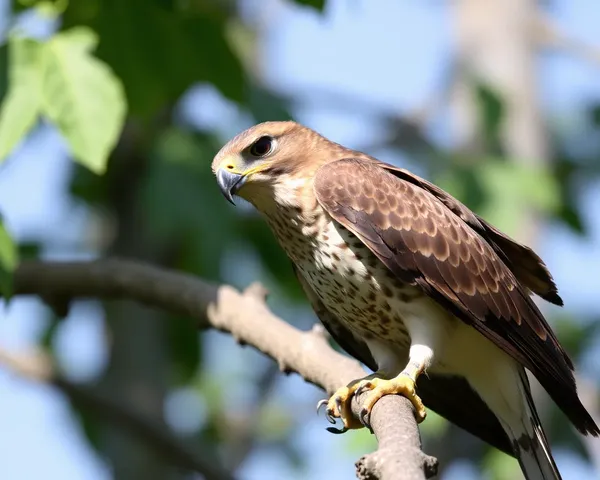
x=549, y=35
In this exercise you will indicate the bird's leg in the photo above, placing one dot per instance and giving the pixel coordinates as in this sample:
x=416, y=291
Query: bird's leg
x=404, y=384
x=339, y=404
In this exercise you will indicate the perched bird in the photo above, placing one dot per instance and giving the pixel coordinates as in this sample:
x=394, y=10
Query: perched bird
x=408, y=280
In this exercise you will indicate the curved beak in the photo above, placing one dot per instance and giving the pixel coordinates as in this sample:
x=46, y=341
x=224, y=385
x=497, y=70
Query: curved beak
x=229, y=183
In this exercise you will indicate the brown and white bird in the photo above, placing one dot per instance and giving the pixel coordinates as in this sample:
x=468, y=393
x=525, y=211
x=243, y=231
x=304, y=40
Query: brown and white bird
x=408, y=280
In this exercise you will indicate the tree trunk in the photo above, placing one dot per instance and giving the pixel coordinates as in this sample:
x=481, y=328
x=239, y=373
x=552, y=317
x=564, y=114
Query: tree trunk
x=136, y=374
x=496, y=46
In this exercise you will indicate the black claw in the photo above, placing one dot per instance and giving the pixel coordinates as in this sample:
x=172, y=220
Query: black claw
x=329, y=416
x=365, y=418
x=328, y=413
x=320, y=404
x=337, y=431
x=361, y=389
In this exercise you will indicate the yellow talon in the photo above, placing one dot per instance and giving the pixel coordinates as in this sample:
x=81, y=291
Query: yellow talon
x=339, y=405
x=400, y=385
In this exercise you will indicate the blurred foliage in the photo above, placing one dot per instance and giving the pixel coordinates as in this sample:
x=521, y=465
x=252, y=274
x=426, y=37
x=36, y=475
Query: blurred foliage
x=159, y=50
x=318, y=4
x=118, y=69
x=491, y=114
x=111, y=79
x=8, y=260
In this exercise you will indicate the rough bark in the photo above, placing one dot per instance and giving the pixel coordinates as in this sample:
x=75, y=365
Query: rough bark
x=246, y=317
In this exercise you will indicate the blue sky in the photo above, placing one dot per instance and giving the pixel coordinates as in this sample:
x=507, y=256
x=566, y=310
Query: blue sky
x=390, y=53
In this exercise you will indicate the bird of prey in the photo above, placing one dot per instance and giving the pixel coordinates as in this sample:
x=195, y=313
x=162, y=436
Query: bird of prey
x=409, y=281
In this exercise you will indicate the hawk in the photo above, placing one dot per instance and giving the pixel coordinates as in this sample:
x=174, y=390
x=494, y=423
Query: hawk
x=408, y=280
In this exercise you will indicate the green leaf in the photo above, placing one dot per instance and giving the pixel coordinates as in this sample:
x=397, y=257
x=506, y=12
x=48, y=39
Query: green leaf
x=316, y=4
x=22, y=103
x=83, y=97
x=9, y=258
x=159, y=52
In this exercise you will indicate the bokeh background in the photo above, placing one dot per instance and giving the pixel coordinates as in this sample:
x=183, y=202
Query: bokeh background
x=496, y=101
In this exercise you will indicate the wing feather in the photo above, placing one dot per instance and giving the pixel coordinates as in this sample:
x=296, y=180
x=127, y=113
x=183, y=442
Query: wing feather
x=525, y=264
x=473, y=279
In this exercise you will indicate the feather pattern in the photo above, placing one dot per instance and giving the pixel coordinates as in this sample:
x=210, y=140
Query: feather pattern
x=432, y=241
x=449, y=396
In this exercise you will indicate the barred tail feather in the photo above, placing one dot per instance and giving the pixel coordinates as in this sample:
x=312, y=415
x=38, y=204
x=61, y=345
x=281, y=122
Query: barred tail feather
x=532, y=447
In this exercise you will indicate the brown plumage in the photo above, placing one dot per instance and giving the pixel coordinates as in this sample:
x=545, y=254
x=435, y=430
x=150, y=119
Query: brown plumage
x=401, y=273
x=427, y=245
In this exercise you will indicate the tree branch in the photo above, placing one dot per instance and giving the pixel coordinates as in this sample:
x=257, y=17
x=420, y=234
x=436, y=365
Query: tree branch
x=549, y=35
x=246, y=317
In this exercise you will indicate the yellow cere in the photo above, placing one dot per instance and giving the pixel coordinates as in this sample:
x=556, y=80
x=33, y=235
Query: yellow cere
x=230, y=166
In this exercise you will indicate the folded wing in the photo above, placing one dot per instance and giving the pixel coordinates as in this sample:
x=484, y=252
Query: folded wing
x=443, y=248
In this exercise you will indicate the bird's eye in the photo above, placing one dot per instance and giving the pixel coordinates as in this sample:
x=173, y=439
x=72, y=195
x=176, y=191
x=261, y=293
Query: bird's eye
x=263, y=146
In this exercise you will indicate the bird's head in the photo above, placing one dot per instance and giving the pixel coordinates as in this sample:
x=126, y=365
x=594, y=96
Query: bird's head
x=254, y=163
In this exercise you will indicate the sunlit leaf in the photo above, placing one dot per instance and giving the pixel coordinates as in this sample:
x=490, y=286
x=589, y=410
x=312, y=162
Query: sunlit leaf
x=22, y=103
x=83, y=97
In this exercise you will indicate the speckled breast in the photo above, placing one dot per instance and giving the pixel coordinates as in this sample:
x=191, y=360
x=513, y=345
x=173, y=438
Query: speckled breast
x=348, y=278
